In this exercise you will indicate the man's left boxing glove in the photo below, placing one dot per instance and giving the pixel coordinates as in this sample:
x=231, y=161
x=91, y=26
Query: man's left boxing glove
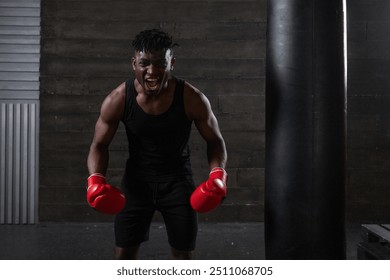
x=209, y=195
x=103, y=197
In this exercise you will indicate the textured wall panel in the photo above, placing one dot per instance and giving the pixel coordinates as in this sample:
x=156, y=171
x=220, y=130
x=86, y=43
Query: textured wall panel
x=18, y=162
x=19, y=110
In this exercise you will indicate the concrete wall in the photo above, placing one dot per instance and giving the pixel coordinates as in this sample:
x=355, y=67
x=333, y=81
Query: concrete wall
x=86, y=53
x=368, y=189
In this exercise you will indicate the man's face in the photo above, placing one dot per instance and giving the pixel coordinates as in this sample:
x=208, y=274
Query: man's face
x=152, y=70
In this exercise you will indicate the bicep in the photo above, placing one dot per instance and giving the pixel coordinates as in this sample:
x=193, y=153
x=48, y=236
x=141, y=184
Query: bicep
x=104, y=131
x=108, y=121
x=208, y=128
x=201, y=113
x=205, y=120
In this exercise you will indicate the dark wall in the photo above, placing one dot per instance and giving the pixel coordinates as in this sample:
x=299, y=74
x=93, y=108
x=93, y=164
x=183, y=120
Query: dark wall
x=368, y=189
x=86, y=53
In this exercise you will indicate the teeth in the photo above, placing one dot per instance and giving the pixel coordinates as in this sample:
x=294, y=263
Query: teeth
x=152, y=82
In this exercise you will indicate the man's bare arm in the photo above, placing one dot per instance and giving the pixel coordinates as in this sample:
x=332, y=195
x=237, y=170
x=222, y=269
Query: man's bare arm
x=198, y=108
x=106, y=126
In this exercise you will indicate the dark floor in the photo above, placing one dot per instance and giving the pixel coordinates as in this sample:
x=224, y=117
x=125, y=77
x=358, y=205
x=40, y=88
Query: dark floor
x=216, y=241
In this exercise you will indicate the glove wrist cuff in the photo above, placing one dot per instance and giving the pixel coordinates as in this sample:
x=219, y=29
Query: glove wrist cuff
x=216, y=169
x=96, y=178
x=218, y=173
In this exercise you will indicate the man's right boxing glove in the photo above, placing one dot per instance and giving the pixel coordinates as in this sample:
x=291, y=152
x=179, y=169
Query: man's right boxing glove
x=208, y=195
x=103, y=197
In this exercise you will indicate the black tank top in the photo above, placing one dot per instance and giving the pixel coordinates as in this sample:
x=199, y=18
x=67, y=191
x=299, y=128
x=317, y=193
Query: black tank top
x=158, y=144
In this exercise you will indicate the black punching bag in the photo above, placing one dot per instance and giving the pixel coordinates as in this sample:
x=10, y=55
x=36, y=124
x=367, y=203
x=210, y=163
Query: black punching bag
x=305, y=130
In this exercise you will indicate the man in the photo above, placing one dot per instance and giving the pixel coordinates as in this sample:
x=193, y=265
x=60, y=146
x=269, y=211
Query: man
x=157, y=110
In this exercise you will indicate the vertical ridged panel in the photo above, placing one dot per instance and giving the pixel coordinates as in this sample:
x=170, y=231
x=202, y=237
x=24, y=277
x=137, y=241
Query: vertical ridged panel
x=19, y=162
x=19, y=109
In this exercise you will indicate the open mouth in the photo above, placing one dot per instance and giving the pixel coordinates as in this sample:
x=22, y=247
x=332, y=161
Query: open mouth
x=152, y=83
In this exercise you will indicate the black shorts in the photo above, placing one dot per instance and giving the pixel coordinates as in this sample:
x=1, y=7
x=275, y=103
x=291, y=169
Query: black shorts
x=172, y=199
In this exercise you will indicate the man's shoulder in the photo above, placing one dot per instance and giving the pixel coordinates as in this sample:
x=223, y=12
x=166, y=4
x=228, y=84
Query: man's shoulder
x=196, y=103
x=119, y=92
x=191, y=91
x=116, y=98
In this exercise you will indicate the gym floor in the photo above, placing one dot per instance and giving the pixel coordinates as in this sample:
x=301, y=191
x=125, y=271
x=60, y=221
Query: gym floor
x=94, y=241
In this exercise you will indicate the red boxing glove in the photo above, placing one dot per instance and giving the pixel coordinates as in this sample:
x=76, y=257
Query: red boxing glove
x=103, y=197
x=208, y=195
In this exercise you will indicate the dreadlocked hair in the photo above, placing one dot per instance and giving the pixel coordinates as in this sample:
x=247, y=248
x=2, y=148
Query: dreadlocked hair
x=153, y=40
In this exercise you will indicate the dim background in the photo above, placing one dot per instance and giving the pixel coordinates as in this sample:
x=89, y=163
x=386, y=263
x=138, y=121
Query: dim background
x=84, y=50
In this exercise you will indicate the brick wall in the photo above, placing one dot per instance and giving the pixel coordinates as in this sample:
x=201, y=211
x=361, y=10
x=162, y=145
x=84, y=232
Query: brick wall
x=86, y=53
x=368, y=192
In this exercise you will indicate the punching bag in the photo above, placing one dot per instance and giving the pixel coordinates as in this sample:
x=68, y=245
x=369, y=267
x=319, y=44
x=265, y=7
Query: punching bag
x=305, y=130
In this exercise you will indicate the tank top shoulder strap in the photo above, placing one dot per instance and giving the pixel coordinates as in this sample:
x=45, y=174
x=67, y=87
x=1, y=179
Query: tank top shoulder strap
x=129, y=98
x=179, y=86
x=179, y=94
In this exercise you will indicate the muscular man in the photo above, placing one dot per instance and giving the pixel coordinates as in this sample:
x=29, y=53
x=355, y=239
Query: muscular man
x=157, y=110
